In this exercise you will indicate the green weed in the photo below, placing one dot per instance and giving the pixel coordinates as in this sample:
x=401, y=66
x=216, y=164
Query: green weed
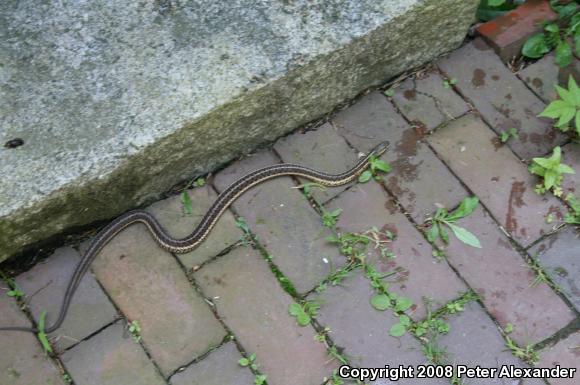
x=526, y=354
x=552, y=171
x=566, y=109
x=42, y=334
x=573, y=217
x=376, y=165
x=443, y=217
x=555, y=35
x=507, y=135
x=135, y=330
x=304, y=312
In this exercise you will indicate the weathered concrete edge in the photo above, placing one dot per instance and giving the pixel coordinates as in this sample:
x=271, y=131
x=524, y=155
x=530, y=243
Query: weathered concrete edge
x=274, y=112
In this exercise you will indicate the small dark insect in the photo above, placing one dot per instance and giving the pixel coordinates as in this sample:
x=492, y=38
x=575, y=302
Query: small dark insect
x=13, y=143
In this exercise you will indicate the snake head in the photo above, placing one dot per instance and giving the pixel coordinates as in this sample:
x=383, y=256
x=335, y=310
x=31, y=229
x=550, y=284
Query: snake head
x=381, y=148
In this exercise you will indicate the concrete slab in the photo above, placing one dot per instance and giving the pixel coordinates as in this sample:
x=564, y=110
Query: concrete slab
x=116, y=102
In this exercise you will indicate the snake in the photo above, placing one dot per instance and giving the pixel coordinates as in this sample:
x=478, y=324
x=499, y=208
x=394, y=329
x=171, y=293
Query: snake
x=205, y=226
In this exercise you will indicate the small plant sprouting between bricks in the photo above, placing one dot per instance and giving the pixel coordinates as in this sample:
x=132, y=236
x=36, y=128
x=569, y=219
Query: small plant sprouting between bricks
x=507, y=135
x=383, y=300
x=186, y=199
x=376, y=165
x=573, y=217
x=443, y=217
x=187, y=204
x=67, y=378
x=304, y=312
x=448, y=83
x=42, y=334
x=355, y=245
x=13, y=289
x=552, y=171
x=329, y=218
x=135, y=330
x=566, y=109
x=337, y=276
x=247, y=238
x=250, y=362
x=527, y=354
x=556, y=34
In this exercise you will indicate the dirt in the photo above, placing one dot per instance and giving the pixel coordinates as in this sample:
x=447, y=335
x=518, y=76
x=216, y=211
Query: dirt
x=410, y=94
x=478, y=79
x=515, y=201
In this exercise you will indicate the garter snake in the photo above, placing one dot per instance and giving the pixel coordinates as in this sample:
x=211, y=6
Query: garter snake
x=184, y=245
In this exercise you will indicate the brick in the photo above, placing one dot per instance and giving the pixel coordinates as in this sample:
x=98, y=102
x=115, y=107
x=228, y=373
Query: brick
x=252, y=303
x=497, y=177
x=571, y=157
x=499, y=274
x=22, y=360
x=565, y=353
x=178, y=224
x=363, y=332
x=323, y=150
x=501, y=98
x=147, y=285
x=544, y=74
x=427, y=102
x=474, y=340
x=558, y=254
x=415, y=166
x=45, y=285
x=365, y=206
x=369, y=121
x=219, y=368
x=285, y=223
x=111, y=357
x=508, y=33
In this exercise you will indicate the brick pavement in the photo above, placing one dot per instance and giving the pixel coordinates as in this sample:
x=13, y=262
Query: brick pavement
x=202, y=311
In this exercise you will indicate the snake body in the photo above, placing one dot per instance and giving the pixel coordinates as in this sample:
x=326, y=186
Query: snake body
x=184, y=245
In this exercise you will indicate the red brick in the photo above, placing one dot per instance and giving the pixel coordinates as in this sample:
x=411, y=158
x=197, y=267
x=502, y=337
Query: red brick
x=111, y=357
x=148, y=286
x=366, y=205
x=415, y=166
x=322, y=149
x=473, y=340
x=558, y=255
x=22, y=361
x=252, y=303
x=427, y=102
x=219, y=368
x=170, y=214
x=501, y=98
x=500, y=275
x=571, y=157
x=285, y=223
x=45, y=284
x=497, y=177
x=363, y=332
x=508, y=33
x=565, y=353
x=544, y=74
